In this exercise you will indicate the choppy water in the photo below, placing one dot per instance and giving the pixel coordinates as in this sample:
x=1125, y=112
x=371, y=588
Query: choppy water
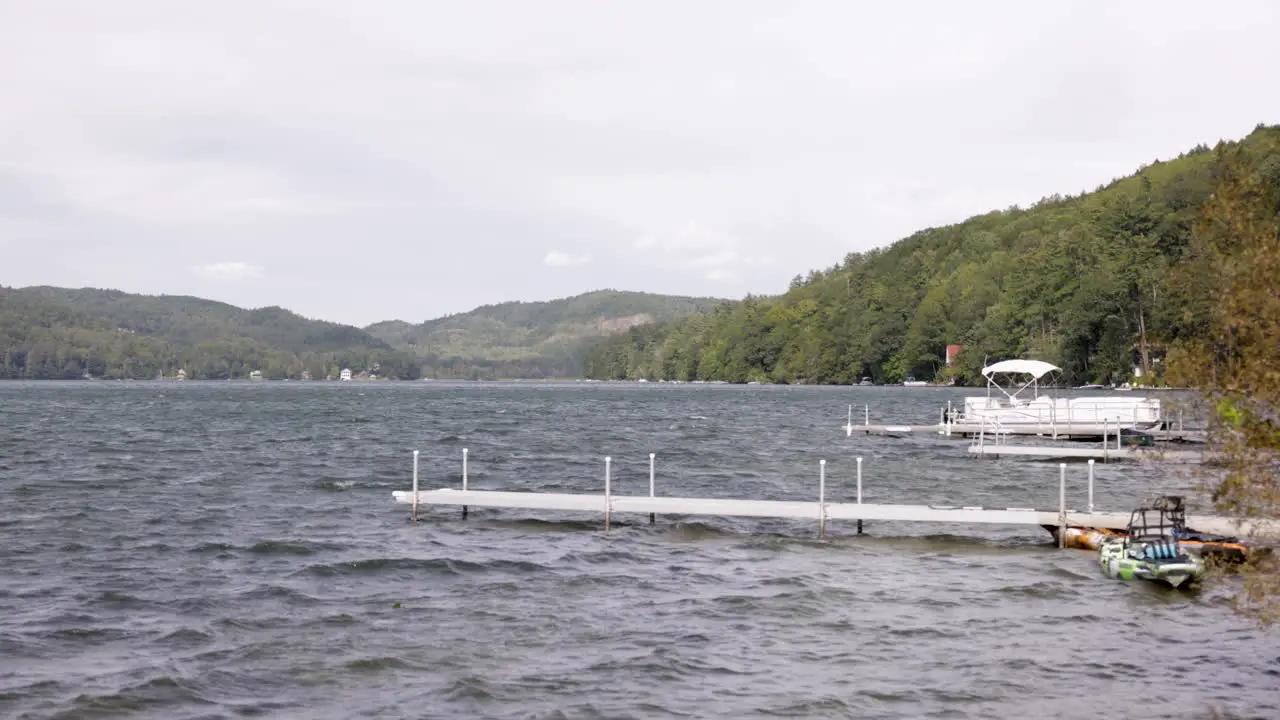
x=231, y=550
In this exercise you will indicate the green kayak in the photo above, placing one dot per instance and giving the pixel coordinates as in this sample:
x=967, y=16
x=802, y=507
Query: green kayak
x=1150, y=551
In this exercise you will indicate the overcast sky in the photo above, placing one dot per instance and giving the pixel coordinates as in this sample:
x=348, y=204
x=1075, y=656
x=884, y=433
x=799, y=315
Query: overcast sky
x=360, y=161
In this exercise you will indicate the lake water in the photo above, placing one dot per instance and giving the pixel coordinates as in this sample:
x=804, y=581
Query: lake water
x=209, y=550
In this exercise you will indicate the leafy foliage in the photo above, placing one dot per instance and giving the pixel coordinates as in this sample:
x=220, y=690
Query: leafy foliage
x=1094, y=283
x=531, y=339
x=1236, y=363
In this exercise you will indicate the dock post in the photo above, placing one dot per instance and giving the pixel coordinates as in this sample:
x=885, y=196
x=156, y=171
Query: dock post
x=414, y=513
x=848, y=426
x=464, y=480
x=1179, y=419
x=950, y=418
x=866, y=415
x=859, y=493
x=608, y=499
x=822, y=499
x=650, y=484
x=1106, y=426
x=1062, y=505
x=1090, y=486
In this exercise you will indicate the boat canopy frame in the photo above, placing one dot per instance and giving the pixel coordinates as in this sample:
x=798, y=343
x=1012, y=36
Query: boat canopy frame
x=1171, y=514
x=1035, y=368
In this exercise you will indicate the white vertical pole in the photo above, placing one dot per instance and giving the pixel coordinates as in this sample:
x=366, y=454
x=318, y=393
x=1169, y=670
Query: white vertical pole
x=651, y=456
x=822, y=498
x=859, y=481
x=859, y=493
x=415, y=486
x=464, y=480
x=607, y=491
x=866, y=415
x=1062, y=505
x=1090, y=485
x=951, y=418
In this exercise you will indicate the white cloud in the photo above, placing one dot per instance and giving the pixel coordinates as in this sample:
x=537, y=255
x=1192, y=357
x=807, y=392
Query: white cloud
x=716, y=256
x=556, y=258
x=230, y=271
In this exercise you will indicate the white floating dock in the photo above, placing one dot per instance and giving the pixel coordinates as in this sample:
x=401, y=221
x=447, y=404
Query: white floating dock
x=786, y=509
x=1097, y=453
x=607, y=504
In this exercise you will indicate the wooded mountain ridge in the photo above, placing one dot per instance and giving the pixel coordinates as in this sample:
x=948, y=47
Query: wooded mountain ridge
x=61, y=333
x=1099, y=284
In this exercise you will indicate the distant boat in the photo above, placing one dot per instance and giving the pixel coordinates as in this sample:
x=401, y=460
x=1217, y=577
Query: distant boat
x=866, y=381
x=911, y=381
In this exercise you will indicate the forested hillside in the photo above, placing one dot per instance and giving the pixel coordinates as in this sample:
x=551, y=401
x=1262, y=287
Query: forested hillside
x=1096, y=283
x=51, y=333
x=58, y=333
x=531, y=339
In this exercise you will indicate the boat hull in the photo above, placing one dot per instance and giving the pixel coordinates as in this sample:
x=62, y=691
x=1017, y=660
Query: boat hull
x=1179, y=573
x=1122, y=412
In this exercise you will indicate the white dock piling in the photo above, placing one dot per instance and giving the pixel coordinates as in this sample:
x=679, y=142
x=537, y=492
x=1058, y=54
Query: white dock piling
x=822, y=499
x=859, y=493
x=1062, y=505
x=414, y=513
x=464, y=480
x=1091, y=485
x=651, y=456
x=608, y=491
x=866, y=414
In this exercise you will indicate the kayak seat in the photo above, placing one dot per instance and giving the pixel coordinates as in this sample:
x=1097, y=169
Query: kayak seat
x=1161, y=550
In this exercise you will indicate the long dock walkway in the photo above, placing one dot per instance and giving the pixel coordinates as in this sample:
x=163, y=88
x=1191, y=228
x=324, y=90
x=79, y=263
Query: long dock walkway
x=820, y=510
x=1054, y=452
x=788, y=509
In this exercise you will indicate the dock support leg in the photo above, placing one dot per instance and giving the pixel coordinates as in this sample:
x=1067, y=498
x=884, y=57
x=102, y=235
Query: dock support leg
x=607, y=492
x=859, y=493
x=464, y=480
x=1062, y=505
x=650, y=484
x=822, y=499
x=414, y=513
x=1090, y=486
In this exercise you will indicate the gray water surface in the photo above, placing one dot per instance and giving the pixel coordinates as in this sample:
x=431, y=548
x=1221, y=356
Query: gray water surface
x=221, y=550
